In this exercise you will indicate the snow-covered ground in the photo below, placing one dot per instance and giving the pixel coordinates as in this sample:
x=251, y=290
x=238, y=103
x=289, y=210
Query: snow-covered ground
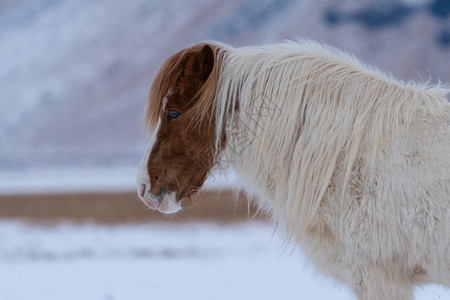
x=159, y=262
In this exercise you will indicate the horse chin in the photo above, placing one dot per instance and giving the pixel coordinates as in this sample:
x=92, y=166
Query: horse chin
x=169, y=204
x=166, y=205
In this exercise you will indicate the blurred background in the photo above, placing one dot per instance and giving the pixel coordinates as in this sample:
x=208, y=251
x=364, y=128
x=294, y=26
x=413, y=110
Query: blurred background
x=74, y=76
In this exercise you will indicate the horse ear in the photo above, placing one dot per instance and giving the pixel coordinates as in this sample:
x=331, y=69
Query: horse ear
x=204, y=61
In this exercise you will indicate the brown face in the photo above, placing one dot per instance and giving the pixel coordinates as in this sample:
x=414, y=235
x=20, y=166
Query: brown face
x=182, y=154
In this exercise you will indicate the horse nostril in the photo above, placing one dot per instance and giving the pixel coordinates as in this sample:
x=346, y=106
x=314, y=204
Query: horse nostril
x=156, y=177
x=142, y=190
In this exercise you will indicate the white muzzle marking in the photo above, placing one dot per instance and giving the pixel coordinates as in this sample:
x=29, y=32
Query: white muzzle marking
x=165, y=203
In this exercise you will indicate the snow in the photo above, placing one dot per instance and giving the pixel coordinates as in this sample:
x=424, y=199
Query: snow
x=159, y=261
x=68, y=180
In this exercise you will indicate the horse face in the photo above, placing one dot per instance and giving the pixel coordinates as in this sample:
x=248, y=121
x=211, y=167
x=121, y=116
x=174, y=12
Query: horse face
x=180, y=154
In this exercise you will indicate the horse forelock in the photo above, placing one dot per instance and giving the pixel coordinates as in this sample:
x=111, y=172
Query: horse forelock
x=165, y=78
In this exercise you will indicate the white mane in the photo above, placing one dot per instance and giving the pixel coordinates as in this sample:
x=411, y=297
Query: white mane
x=297, y=112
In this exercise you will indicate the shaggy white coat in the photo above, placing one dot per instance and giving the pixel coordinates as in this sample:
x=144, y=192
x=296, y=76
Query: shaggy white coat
x=355, y=163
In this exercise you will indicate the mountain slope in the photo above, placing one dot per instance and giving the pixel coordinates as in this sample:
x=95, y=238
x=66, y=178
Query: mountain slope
x=75, y=74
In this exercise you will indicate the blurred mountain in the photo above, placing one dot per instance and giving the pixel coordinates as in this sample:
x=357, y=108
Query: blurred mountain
x=74, y=75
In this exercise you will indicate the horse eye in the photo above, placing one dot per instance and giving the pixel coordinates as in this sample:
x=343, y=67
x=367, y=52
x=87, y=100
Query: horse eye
x=173, y=115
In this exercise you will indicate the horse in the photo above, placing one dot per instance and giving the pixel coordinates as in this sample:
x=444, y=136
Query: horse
x=353, y=162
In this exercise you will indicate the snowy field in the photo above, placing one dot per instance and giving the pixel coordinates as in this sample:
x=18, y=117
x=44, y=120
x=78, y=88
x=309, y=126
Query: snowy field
x=159, y=262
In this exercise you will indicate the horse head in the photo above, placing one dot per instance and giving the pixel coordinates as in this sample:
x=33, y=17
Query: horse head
x=181, y=150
